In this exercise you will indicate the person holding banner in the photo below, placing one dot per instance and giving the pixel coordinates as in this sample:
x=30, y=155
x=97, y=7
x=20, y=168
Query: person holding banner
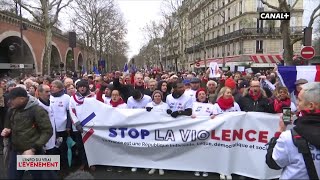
x=297, y=151
x=159, y=106
x=225, y=102
x=201, y=108
x=116, y=100
x=179, y=102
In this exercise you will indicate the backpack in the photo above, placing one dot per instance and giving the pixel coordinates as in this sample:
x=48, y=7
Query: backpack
x=303, y=148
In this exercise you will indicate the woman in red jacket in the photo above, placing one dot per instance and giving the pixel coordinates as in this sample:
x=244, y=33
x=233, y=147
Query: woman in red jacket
x=282, y=99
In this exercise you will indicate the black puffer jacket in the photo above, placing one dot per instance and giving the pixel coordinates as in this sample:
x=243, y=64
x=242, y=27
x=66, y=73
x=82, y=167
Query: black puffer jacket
x=263, y=104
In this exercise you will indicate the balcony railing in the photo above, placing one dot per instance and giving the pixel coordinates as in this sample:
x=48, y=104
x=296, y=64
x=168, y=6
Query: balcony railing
x=246, y=32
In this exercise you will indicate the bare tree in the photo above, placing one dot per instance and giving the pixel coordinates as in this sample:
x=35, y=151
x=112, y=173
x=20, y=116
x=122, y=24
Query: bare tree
x=285, y=27
x=46, y=13
x=102, y=27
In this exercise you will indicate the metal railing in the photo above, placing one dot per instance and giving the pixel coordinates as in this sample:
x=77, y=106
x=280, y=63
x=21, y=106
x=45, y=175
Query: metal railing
x=246, y=32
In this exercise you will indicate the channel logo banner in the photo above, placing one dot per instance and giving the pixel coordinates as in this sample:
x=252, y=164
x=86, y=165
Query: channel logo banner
x=233, y=142
x=38, y=162
x=274, y=15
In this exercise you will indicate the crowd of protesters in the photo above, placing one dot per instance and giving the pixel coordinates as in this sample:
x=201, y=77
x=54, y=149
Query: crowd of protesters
x=183, y=93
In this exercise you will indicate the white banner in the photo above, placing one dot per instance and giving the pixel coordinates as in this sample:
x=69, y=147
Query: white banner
x=233, y=142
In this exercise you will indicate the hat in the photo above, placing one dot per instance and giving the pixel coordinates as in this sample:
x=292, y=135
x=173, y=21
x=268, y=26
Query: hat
x=17, y=92
x=195, y=80
x=186, y=82
x=199, y=90
x=157, y=92
x=244, y=84
x=230, y=83
x=301, y=81
x=82, y=83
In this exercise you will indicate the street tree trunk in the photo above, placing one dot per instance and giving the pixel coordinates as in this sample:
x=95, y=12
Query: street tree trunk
x=287, y=46
x=47, y=51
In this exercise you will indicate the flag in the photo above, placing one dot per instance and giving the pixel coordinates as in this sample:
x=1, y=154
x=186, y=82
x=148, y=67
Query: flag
x=125, y=68
x=290, y=74
x=84, y=71
x=95, y=70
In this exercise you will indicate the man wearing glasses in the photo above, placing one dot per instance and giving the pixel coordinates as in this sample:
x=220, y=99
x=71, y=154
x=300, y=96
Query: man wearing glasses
x=255, y=99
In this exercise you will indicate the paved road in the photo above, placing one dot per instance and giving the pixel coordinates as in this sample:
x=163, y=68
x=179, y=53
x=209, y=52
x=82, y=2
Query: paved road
x=101, y=173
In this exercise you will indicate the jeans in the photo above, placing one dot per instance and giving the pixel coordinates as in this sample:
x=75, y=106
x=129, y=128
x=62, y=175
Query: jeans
x=13, y=173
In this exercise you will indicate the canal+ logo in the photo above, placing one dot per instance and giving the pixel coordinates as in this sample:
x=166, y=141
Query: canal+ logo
x=274, y=15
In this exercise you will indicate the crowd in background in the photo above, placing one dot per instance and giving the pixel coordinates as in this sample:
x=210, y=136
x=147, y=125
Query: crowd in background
x=183, y=93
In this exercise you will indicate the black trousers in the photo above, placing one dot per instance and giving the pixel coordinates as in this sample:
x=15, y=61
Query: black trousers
x=63, y=150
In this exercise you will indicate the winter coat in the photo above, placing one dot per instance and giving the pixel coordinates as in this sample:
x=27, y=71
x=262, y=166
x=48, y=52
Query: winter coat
x=30, y=126
x=263, y=104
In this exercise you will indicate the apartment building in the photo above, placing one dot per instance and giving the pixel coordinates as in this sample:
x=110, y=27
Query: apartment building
x=230, y=32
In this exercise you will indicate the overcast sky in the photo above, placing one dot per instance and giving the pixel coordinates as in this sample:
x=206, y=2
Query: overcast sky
x=140, y=12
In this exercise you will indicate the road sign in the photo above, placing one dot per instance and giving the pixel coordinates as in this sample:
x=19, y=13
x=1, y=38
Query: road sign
x=197, y=64
x=307, y=52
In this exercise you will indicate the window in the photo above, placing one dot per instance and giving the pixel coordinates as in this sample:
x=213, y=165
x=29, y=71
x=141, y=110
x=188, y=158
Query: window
x=292, y=21
x=234, y=49
x=229, y=29
x=240, y=47
x=229, y=14
x=259, y=4
x=234, y=27
x=240, y=7
x=259, y=46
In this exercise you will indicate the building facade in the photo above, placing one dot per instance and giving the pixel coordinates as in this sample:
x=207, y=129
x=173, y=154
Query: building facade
x=229, y=32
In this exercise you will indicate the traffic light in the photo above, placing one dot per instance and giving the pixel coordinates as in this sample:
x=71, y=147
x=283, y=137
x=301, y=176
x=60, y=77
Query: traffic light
x=307, y=36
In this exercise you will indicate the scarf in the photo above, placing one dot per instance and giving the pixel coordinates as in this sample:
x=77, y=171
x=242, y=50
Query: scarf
x=225, y=104
x=116, y=104
x=254, y=97
x=58, y=94
x=279, y=104
x=308, y=127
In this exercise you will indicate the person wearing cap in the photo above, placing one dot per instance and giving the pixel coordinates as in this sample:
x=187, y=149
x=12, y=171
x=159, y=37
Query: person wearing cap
x=60, y=105
x=75, y=103
x=186, y=83
x=201, y=108
x=195, y=85
x=295, y=93
x=29, y=128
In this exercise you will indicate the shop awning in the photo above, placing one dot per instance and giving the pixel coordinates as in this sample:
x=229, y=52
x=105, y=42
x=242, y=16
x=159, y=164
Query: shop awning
x=266, y=58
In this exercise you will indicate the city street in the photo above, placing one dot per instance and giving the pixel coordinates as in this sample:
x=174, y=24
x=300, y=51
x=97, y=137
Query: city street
x=101, y=173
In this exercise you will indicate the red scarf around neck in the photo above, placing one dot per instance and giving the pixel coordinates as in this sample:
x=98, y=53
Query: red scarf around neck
x=254, y=97
x=279, y=104
x=225, y=103
x=116, y=104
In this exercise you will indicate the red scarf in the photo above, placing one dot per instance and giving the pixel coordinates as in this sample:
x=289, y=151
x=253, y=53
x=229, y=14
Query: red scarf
x=279, y=104
x=307, y=112
x=255, y=97
x=116, y=104
x=225, y=103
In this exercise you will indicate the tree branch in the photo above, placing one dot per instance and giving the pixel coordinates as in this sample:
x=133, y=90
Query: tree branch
x=314, y=16
x=58, y=11
x=294, y=4
x=35, y=16
x=293, y=41
x=270, y=6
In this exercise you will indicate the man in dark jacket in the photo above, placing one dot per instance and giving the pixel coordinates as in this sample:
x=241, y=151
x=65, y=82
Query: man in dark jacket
x=29, y=128
x=255, y=99
x=126, y=90
x=283, y=152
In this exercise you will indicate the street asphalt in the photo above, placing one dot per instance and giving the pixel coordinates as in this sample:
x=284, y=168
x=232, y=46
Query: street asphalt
x=102, y=173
